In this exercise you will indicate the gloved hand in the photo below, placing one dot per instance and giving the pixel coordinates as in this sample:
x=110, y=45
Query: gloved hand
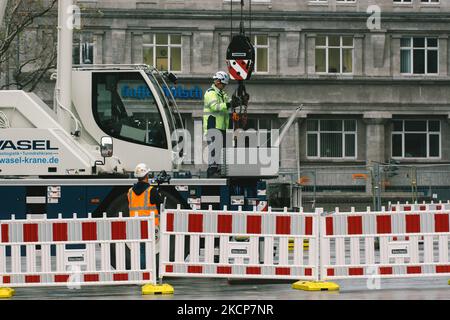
x=245, y=99
x=235, y=101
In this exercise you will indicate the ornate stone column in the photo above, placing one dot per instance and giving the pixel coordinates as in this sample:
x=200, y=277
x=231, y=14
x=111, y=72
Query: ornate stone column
x=137, y=55
x=186, y=54
x=395, y=55
x=375, y=139
x=98, y=47
x=311, y=53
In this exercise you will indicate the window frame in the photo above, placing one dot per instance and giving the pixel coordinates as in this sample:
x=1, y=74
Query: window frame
x=343, y=132
x=169, y=47
x=426, y=2
x=79, y=42
x=402, y=2
x=427, y=132
x=411, y=48
x=268, y=142
x=257, y=46
x=341, y=56
x=258, y=119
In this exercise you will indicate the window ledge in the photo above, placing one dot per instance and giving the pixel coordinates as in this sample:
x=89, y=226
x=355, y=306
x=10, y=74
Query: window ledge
x=404, y=161
x=403, y=5
x=313, y=162
x=349, y=4
x=254, y=2
x=332, y=160
x=313, y=3
x=333, y=75
x=420, y=76
x=435, y=6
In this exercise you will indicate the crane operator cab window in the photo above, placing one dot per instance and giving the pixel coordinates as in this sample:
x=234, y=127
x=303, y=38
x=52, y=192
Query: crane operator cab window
x=125, y=108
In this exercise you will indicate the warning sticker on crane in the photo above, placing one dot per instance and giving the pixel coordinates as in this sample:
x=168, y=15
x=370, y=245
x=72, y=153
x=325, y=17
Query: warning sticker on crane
x=239, y=69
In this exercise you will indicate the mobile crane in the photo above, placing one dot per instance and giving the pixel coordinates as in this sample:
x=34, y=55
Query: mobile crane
x=79, y=155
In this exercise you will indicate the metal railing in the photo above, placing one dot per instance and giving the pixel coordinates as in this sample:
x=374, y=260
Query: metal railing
x=372, y=185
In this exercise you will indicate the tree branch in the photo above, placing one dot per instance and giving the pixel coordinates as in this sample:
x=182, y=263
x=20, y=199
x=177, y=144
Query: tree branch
x=13, y=31
x=21, y=16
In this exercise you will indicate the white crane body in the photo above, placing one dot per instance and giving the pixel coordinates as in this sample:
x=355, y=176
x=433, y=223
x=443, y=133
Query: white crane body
x=43, y=149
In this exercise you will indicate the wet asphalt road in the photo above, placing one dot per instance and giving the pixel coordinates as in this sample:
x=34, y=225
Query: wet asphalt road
x=221, y=289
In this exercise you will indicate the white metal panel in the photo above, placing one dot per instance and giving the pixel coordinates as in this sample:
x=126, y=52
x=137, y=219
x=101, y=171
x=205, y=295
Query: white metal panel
x=104, y=182
x=80, y=266
x=35, y=200
x=245, y=251
x=45, y=148
x=398, y=253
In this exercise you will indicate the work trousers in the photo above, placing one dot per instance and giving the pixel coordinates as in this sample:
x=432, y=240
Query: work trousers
x=214, y=154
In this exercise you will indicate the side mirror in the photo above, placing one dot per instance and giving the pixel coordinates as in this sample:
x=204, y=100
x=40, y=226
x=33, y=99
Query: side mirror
x=106, y=147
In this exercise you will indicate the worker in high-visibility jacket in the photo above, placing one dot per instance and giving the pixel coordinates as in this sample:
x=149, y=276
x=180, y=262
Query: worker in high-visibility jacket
x=216, y=115
x=143, y=199
x=216, y=104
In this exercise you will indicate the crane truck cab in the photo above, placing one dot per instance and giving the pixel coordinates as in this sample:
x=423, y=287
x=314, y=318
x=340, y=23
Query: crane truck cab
x=128, y=103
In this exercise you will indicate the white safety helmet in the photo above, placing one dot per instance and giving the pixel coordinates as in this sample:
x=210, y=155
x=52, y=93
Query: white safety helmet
x=141, y=170
x=222, y=76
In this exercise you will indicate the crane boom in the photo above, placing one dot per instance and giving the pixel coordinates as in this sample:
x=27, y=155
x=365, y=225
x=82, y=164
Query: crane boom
x=63, y=88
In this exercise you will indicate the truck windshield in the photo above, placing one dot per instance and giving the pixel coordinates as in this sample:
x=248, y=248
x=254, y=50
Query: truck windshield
x=124, y=108
x=169, y=103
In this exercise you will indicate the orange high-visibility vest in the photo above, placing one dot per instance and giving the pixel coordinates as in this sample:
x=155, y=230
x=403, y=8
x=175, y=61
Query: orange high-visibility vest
x=141, y=206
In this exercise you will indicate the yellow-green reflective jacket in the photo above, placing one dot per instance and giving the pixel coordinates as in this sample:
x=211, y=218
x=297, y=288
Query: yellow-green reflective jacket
x=215, y=105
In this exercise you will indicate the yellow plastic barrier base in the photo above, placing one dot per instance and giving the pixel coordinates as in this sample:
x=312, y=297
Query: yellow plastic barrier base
x=6, y=293
x=449, y=282
x=315, y=286
x=149, y=289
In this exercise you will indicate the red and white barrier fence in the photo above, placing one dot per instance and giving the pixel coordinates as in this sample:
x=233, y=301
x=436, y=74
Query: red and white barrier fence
x=363, y=244
x=419, y=206
x=69, y=252
x=238, y=244
x=225, y=244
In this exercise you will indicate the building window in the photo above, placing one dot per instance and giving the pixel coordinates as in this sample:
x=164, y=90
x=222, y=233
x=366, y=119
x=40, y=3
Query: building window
x=429, y=1
x=419, y=55
x=261, y=43
x=334, y=54
x=345, y=1
x=416, y=138
x=263, y=126
x=402, y=1
x=163, y=51
x=331, y=139
x=83, y=49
